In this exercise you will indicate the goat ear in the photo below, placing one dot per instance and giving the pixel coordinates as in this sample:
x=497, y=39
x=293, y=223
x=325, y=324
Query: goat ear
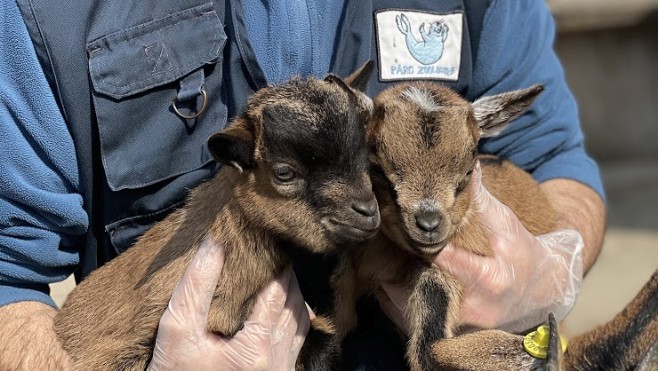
x=233, y=146
x=359, y=79
x=338, y=81
x=495, y=112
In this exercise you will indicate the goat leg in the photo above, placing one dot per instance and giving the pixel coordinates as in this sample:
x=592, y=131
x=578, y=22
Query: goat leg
x=431, y=314
x=486, y=350
x=320, y=351
x=235, y=295
x=226, y=317
x=344, y=284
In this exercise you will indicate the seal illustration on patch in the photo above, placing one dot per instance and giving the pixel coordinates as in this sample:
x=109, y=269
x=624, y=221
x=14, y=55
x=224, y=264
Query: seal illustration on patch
x=419, y=45
x=429, y=50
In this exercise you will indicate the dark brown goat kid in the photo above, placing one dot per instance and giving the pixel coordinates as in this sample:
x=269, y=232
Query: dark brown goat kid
x=423, y=140
x=296, y=170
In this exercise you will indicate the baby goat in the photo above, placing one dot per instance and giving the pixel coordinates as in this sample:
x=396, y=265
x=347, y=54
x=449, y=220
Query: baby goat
x=424, y=140
x=296, y=171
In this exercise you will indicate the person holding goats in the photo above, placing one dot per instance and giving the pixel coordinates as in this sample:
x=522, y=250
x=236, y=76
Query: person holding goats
x=107, y=105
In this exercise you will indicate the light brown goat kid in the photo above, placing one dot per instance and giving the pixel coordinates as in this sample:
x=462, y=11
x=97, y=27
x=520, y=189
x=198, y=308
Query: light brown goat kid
x=423, y=139
x=296, y=170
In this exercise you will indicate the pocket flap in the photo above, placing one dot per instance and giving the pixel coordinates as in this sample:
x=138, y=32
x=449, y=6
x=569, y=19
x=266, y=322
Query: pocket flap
x=136, y=59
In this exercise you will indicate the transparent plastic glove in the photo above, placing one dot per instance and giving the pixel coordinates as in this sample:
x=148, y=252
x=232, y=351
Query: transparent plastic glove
x=270, y=340
x=527, y=278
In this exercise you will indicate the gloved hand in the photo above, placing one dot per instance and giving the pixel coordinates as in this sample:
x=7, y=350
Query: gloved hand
x=527, y=278
x=270, y=340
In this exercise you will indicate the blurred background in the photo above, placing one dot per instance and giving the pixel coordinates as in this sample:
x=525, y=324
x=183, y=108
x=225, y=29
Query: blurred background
x=609, y=49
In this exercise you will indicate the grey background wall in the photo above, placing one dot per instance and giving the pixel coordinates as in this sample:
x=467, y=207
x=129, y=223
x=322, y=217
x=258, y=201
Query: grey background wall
x=609, y=50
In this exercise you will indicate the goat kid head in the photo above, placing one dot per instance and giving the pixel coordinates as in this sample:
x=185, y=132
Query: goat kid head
x=424, y=145
x=300, y=148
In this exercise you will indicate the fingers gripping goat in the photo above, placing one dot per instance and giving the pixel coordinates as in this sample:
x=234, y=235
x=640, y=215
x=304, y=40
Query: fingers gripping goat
x=295, y=166
x=423, y=141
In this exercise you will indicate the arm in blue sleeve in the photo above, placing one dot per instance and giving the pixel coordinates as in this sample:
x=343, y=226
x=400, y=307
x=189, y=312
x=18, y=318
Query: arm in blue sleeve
x=41, y=212
x=516, y=51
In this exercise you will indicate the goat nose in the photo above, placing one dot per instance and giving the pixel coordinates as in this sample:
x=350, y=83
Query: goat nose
x=365, y=207
x=428, y=221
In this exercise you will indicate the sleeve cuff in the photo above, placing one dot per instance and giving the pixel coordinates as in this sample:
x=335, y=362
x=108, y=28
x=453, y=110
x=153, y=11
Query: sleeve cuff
x=13, y=294
x=574, y=164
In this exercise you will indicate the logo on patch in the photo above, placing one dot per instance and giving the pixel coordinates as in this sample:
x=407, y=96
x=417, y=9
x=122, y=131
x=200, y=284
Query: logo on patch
x=430, y=49
x=415, y=45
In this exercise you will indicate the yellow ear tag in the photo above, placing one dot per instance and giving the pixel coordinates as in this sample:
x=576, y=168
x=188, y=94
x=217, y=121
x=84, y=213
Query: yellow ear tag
x=536, y=342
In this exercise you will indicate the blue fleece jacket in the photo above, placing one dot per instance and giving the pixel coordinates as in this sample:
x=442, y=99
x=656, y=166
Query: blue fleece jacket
x=516, y=51
x=41, y=213
x=293, y=37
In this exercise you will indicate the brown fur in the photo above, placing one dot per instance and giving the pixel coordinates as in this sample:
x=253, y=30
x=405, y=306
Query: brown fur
x=410, y=167
x=110, y=320
x=622, y=343
x=491, y=350
x=423, y=142
x=628, y=342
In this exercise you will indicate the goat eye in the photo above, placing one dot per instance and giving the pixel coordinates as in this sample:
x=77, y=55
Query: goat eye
x=461, y=186
x=284, y=173
x=463, y=183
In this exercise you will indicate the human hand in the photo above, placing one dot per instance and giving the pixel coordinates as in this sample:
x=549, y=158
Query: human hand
x=527, y=277
x=270, y=340
x=29, y=341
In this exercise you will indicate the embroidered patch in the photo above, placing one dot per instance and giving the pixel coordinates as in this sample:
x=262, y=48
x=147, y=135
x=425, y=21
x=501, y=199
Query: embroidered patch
x=414, y=45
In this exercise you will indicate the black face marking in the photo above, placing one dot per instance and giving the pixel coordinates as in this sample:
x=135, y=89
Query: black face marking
x=429, y=128
x=379, y=113
x=325, y=134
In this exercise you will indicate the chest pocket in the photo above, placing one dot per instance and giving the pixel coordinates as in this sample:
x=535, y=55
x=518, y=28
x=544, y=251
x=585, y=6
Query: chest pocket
x=136, y=75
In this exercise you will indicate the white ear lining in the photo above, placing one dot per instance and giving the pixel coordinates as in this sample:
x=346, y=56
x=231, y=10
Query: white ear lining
x=494, y=113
